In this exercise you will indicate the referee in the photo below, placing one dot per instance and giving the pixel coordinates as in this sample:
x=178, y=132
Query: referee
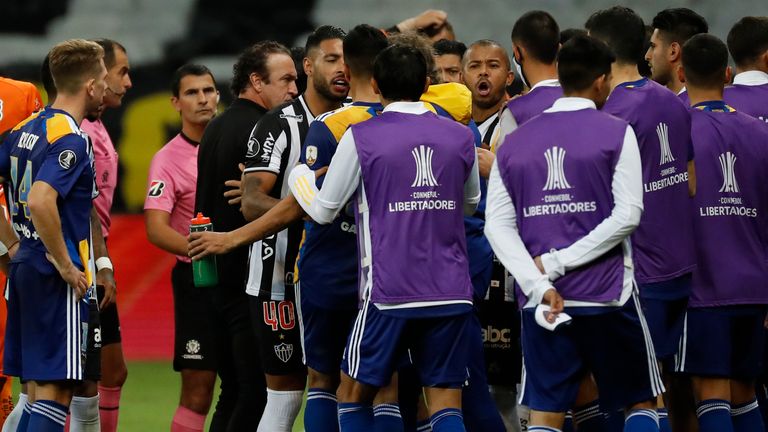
x=264, y=77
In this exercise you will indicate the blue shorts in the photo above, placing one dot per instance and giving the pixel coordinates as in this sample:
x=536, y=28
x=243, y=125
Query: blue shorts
x=614, y=346
x=378, y=342
x=724, y=341
x=45, y=337
x=665, y=315
x=324, y=335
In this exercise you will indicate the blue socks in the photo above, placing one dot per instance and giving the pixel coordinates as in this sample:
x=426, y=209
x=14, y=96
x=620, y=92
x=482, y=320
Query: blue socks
x=642, y=420
x=423, y=426
x=386, y=418
x=664, y=420
x=568, y=422
x=714, y=416
x=589, y=418
x=47, y=416
x=747, y=418
x=24, y=419
x=447, y=420
x=321, y=412
x=354, y=417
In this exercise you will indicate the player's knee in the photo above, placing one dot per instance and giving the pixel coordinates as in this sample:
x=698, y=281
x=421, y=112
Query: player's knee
x=319, y=380
x=115, y=377
x=742, y=392
x=648, y=404
x=351, y=391
x=198, y=400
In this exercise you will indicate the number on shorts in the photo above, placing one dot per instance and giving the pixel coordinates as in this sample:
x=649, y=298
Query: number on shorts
x=279, y=315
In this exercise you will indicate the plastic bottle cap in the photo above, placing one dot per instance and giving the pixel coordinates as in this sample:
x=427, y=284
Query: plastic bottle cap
x=200, y=220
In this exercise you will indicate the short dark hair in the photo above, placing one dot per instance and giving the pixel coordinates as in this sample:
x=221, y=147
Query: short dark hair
x=254, y=60
x=622, y=30
x=47, y=79
x=748, y=39
x=186, y=70
x=705, y=58
x=420, y=43
x=679, y=24
x=581, y=61
x=109, y=47
x=490, y=43
x=361, y=46
x=400, y=72
x=445, y=46
x=538, y=32
x=321, y=34
x=568, y=33
x=298, y=54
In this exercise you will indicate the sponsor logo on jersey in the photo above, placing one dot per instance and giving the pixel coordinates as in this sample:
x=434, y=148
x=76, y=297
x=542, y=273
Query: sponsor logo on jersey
x=310, y=154
x=297, y=117
x=728, y=165
x=67, y=159
x=156, y=188
x=555, y=157
x=662, y=131
x=269, y=145
x=284, y=352
x=422, y=155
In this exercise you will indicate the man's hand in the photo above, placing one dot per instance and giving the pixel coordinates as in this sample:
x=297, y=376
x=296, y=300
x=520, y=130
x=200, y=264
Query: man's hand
x=485, y=161
x=428, y=18
x=106, y=278
x=71, y=275
x=552, y=298
x=202, y=244
x=235, y=195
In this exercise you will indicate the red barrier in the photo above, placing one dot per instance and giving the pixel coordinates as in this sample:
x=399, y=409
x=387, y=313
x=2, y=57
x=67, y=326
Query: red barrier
x=145, y=300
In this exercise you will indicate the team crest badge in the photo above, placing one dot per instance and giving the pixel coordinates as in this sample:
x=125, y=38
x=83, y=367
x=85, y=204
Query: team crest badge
x=193, y=346
x=67, y=159
x=311, y=155
x=284, y=352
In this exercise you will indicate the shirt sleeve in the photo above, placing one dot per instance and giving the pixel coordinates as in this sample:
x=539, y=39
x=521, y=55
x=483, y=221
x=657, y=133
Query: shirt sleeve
x=507, y=125
x=160, y=186
x=627, y=190
x=64, y=162
x=318, y=149
x=502, y=233
x=341, y=182
x=266, y=144
x=472, y=192
x=34, y=101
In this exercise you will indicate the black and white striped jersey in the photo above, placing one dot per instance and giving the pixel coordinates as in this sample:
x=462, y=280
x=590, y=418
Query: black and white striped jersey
x=274, y=146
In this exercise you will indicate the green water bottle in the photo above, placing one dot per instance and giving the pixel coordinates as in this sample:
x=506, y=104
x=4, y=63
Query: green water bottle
x=204, y=270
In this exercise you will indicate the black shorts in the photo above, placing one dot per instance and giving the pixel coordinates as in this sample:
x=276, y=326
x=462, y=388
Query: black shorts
x=110, y=321
x=194, y=340
x=92, y=370
x=278, y=334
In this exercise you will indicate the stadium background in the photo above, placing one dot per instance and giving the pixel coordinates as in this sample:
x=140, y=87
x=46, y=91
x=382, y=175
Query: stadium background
x=160, y=35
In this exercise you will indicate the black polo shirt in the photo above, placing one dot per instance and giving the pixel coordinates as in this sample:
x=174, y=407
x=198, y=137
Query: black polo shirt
x=222, y=148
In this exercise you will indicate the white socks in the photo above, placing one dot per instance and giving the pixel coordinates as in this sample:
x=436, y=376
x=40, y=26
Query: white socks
x=84, y=414
x=12, y=422
x=281, y=410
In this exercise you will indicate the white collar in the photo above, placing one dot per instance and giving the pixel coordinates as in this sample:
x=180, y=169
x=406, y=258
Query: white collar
x=682, y=90
x=571, y=104
x=407, y=107
x=552, y=82
x=751, y=78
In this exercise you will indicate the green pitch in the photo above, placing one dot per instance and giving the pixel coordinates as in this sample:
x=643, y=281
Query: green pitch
x=150, y=397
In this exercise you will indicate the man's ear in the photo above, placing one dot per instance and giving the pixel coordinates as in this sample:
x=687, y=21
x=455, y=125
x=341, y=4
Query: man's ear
x=510, y=78
x=175, y=103
x=307, y=66
x=728, y=75
x=256, y=82
x=89, y=87
x=674, y=52
x=427, y=83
